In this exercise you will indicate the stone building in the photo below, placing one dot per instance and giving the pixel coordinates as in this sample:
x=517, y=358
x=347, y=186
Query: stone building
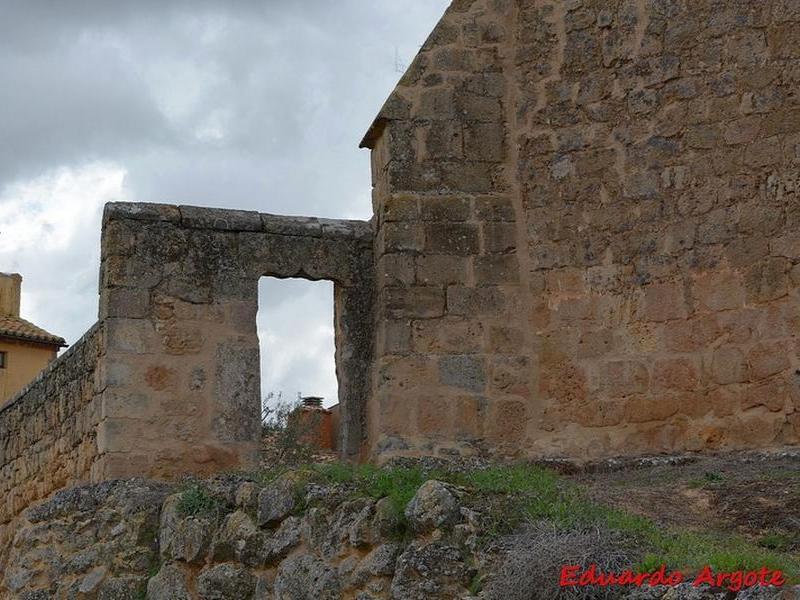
x=585, y=243
x=586, y=230
x=25, y=349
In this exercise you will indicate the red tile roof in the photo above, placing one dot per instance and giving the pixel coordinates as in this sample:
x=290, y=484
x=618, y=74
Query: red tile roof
x=20, y=329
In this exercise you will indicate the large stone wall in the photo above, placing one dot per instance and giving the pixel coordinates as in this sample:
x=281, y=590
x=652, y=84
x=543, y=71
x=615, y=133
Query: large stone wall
x=179, y=296
x=48, y=431
x=587, y=220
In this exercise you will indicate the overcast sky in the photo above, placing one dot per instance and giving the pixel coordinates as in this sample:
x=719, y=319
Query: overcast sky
x=231, y=103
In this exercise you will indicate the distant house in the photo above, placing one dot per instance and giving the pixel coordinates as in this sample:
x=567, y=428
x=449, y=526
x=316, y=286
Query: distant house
x=25, y=349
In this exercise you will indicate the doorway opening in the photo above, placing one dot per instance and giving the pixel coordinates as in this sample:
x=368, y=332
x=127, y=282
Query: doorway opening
x=296, y=336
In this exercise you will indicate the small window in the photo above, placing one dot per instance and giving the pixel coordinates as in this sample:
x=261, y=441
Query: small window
x=3, y=360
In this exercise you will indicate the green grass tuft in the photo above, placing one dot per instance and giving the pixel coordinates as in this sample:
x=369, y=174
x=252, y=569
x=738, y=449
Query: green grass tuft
x=196, y=501
x=509, y=496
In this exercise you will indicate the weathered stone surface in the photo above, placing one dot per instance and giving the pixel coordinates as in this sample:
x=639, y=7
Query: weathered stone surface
x=304, y=576
x=621, y=179
x=171, y=583
x=380, y=562
x=430, y=570
x=237, y=539
x=276, y=500
x=281, y=542
x=226, y=582
x=433, y=506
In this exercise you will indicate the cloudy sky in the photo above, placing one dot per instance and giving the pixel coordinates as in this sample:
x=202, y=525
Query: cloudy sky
x=254, y=104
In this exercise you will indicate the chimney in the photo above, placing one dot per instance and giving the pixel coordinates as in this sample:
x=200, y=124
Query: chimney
x=10, y=287
x=312, y=402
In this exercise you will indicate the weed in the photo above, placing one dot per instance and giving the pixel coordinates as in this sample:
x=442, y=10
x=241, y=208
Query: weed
x=196, y=501
x=777, y=540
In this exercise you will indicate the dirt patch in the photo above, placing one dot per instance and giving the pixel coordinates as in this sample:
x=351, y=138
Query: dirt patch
x=753, y=494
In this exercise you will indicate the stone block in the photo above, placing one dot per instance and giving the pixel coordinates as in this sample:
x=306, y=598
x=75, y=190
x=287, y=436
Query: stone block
x=140, y=211
x=451, y=238
x=720, y=290
x=196, y=217
x=295, y=226
x=400, y=237
x=763, y=152
x=443, y=140
x=622, y=377
x=466, y=416
x=395, y=270
x=767, y=280
x=400, y=374
x=595, y=344
x=769, y=358
x=774, y=394
x=505, y=339
x=743, y=130
x=417, y=301
x=488, y=300
x=132, y=303
x=479, y=108
x=664, y=302
x=728, y=365
x=787, y=245
x=394, y=336
x=676, y=374
x=494, y=209
x=400, y=208
x=463, y=371
x=433, y=415
x=454, y=59
x=441, y=269
x=130, y=336
x=485, y=142
x=496, y=269
x=643, y=409
x=237, y=403
x=499, y=238
x=448, y=335
x=508, y=422
x=435, y=103
x=445, y=209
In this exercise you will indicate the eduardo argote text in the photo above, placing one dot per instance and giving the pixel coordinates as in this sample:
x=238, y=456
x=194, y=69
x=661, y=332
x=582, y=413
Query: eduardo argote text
x=575, y=575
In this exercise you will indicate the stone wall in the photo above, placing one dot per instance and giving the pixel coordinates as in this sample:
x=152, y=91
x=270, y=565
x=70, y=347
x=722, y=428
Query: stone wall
x=179, y=296
x=587, y=224
x=48, y=431
x=131, y=539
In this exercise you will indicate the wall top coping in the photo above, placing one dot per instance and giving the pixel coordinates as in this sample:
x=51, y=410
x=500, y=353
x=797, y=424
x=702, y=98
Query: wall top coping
x=224, y=219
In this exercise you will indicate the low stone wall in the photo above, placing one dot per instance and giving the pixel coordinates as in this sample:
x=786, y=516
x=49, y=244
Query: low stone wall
x=130, y=539
x=48, y=432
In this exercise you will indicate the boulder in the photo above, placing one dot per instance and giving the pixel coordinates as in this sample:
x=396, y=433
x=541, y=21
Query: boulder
x=277, y=546
x=226, y=582
x=171, y=583
x=430, y=571
x=380, y=562
x=432, y=507
x=276, y=501
x=303, y=577
x=237, y=537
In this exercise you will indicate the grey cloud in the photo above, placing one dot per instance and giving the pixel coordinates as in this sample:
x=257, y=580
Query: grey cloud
x=236, y=103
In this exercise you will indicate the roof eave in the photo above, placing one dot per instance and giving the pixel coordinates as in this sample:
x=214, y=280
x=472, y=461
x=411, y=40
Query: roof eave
x=54, y=343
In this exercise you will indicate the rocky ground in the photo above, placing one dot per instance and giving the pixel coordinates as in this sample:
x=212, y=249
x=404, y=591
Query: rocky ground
x=412, y=530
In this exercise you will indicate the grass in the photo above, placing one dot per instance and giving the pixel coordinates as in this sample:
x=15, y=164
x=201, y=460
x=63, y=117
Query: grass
x=509, y=496
x=196, y=501
x=709, y=478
